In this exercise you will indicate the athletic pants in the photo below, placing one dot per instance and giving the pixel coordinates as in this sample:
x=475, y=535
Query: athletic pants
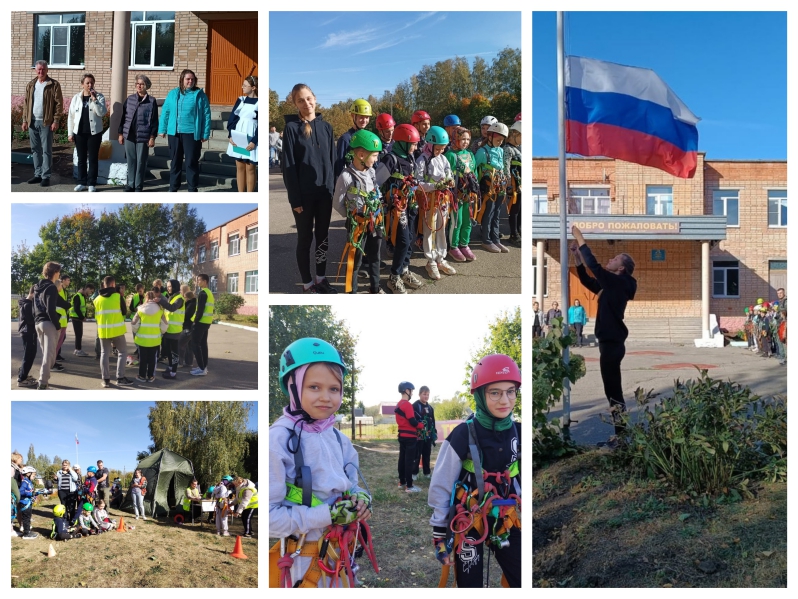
x=469, y=563
x=23, y=517
x=313, y=222
x=610, y=357
x=370, y=260
x=578, y=330
x=30, y=346
x=407, y=457
x=186, y=348
x=48, y=339
x=147, y=357
x=69, y=501
x=434, y=228
x=172, y=351
x=77, y=327
x=105, y=353
x=423, y=450
x=200, y=339
x=246, y=519
x=401, y=252
x=61, y=339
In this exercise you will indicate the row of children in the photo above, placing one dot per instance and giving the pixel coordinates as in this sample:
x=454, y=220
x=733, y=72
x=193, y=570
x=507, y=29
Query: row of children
x=43, y=316
x=91, y=520
x=319, y=510
x=766, y=328
x=427, y=193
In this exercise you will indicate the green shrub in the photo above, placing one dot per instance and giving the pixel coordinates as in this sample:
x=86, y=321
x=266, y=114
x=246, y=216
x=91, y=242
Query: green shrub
x=548, y=372
x=14, y=309
x=228, y=303
x=710, y=437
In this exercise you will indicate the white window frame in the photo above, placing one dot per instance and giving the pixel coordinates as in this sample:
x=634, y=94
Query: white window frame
x=51, y=63
x=725, y=196
x=214, y=251
x=535, y=276
x=201, y=254
x=232, y=277
x=252, y=233
x=230, y=238
x=577, y=198
x=540, y=199
x=248, y=276
x=780, y=202
x=153, y=25
x=660, y=198
x=213, y=283
x=725, y=270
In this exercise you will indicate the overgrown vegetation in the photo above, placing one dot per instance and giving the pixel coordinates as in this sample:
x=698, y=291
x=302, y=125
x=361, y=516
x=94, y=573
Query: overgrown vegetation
x=229, y=303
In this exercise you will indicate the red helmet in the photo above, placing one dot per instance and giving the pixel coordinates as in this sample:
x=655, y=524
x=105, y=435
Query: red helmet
x=419, y=115
x=385, y=121
x=493, y=368
x=518, y=117
x=406, y=133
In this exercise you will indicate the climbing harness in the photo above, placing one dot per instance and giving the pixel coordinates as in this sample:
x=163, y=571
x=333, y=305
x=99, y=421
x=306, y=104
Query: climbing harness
x=400, y=196
x=515, y=184
x=497, y=185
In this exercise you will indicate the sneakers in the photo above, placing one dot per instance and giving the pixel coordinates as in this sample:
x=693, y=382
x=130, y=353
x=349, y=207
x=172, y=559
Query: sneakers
x=446, y=268
x=137, y=517
x=28, y=382
x=41, y=386
x=169, y=374
x=610, y=444
x=79, y=187
x=456, y=255
x=432, y=271
x=515, y=239
x=413, y=489
x=199, y=371
x=81, y=353
x=124, y=381
x=106, y=383
x=396, y=285
x=92, y=188
x=151, y=379
x=143, y=379
x=58, y=367
x=502, y=248
x=325, y=287
x=411, y=280
x=489, y=247
x=225, y=534
x=389, y=251
x=401, y=485
x=377, y=291
x=415, y=476
x=45, y=182
x=144, y=518
x=467, y=253
x=59, y=358
x=31, y=535
x=35, y=179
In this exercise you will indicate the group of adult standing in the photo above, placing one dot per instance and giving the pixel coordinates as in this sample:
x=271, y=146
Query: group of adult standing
x=185, y=117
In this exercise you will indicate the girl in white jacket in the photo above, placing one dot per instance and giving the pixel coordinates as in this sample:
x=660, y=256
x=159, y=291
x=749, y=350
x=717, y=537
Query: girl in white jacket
x=85, y=126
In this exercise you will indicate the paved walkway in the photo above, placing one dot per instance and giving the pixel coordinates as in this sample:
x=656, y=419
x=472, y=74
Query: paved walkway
x=232, y=363
x=656, y=366
x=489, y=273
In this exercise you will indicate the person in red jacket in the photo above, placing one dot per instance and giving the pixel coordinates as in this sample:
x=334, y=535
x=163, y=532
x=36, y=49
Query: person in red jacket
x=408, y=435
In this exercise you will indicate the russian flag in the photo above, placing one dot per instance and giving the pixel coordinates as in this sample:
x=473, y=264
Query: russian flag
x=628, y=113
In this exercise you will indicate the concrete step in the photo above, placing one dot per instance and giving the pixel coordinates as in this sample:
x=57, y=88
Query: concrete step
x=214, y=167
x=677, y=331
x=205, y=179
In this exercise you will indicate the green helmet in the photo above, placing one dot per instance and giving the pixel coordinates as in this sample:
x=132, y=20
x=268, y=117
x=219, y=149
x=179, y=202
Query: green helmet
x=366, y=140
x=361, y=107
x=59, y=510
x=88, y=507
x=307, y=351
x=437, y=136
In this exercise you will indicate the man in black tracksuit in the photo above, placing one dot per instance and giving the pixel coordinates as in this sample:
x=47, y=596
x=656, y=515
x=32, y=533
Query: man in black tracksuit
x=615, y=286
x=425, y=414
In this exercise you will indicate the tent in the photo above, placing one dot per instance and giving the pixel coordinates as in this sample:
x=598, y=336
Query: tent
x=168, y=475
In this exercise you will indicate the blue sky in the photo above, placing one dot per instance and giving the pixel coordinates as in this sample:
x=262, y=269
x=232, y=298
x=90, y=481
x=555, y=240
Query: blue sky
x=343, y=55
x=730, y=68
x=112, y=431
x=27, y=219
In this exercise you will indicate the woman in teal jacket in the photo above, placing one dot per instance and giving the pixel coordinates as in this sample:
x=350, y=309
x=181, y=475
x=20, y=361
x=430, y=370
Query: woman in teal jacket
x=577, y=318
x=186, y=118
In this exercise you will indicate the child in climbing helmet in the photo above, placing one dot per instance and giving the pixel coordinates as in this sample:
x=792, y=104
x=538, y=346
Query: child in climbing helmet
x=61, y=530
x=464, y=167
x=422, y=122
x=435, y=175
x=512, y=166
x=492, y=184
x=484, y=125
x=479, y=465
x=313, y=468
x=385, y=126
x=451, y=123
x=357, y=198
x=360, y=111
x=86, y=524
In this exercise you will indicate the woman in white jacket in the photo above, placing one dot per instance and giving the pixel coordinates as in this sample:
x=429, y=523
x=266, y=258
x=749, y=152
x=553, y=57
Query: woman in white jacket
x=85, y=126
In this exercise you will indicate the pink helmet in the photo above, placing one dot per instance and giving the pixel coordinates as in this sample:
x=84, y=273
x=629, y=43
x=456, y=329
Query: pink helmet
x=493, y=368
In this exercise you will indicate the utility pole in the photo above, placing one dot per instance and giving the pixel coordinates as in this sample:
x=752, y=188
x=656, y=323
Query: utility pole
x=353, y=400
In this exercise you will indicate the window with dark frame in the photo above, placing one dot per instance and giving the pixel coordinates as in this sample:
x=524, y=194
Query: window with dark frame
x=725, y=278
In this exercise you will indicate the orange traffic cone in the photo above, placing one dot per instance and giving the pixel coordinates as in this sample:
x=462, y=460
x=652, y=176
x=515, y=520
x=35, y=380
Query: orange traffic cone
x=121, y=527
x=238, y=551
x=51, y=551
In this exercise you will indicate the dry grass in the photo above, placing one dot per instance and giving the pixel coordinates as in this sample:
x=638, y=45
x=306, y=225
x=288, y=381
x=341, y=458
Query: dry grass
x=400, y=524
x=157, y=554
x=594, y=527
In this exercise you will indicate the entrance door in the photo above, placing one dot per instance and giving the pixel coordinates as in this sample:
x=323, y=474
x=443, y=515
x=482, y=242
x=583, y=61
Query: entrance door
x=233, y=56
x=587, y=298
x=777, y=277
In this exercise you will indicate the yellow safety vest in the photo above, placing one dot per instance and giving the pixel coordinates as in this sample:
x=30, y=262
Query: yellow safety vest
x=207, y=317
x=62, y=311
x=186, y=500
x=149, y=333
x=110, y=322
x=253, y=501
x=82, y=301
x=176, y=318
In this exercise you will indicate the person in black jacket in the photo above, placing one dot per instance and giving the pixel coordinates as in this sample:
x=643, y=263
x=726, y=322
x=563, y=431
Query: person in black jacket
x=77, y=314
x=615, y=286
x=27, y=330
x=45, y=301
x=407, y=426
x=308, y=154
x=185, y=348
x=428, y=435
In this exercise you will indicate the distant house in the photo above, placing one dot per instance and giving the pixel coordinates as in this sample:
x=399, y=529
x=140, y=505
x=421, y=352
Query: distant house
x=387, y=408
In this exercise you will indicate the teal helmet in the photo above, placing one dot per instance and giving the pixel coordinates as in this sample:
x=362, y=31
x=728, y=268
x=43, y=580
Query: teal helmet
x=307, y=351
x=211, y=488
x=437, y=136
x=227, y=478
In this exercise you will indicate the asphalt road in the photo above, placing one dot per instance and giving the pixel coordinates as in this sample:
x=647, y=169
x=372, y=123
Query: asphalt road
x=656, y=366
x=232, y=363
x=489, y=273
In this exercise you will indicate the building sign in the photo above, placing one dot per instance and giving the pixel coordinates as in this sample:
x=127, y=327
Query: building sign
x=658, y=255
x=608, y=226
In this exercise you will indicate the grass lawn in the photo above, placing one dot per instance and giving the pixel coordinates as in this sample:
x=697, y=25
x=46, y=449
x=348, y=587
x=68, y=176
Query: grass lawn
x=594, y=526
x=400, y=524
x=249, y=320
x=157, y=554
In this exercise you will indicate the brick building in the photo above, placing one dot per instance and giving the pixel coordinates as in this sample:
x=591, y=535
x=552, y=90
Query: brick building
x=727, y=226
x=228, y=254
x=220, y=47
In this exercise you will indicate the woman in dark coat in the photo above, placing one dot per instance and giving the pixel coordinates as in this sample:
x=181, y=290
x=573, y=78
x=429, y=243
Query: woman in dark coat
x=137, y=130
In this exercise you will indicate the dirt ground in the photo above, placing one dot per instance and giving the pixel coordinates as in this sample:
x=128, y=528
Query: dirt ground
x=62, y=157
x=594, y=527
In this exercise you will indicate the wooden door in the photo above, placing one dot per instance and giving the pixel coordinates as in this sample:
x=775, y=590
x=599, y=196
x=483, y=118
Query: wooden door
x=233, y=55
x=777, y=280
x=587, y=298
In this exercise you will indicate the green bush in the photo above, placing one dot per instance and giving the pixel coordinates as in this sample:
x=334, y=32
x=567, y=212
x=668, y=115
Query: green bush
x=228, y=303
x=548, y=372
x=14, y=309
x=710, y=437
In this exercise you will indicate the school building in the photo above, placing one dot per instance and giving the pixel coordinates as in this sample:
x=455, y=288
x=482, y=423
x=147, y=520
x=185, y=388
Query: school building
x=712, y=244
x=228, y=254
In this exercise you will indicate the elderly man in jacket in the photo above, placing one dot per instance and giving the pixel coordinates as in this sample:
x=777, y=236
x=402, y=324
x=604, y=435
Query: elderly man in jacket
x=41, y=113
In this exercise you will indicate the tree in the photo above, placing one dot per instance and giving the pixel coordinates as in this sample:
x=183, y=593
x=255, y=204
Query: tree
x=289, y=323
x=455, y=408
x=144, y=230
x=186, y=227
x=480, y=76
x=274, y=109
x=211, y=434
x=31, y=455
x=505, y=72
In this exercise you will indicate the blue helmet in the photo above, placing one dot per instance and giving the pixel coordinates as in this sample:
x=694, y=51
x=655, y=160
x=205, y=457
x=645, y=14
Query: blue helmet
x=92, y=469
x=451, y=120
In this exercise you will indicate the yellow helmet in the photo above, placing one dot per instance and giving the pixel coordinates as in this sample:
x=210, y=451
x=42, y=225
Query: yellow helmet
x=361, y=107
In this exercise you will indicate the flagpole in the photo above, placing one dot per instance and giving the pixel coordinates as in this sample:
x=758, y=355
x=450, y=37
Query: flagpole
x=566, y=388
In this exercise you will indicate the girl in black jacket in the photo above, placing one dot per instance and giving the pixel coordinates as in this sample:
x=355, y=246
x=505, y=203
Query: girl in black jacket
x=27, y=330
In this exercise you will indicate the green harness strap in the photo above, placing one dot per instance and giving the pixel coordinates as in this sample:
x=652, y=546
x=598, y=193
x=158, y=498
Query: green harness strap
x=294, y=495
